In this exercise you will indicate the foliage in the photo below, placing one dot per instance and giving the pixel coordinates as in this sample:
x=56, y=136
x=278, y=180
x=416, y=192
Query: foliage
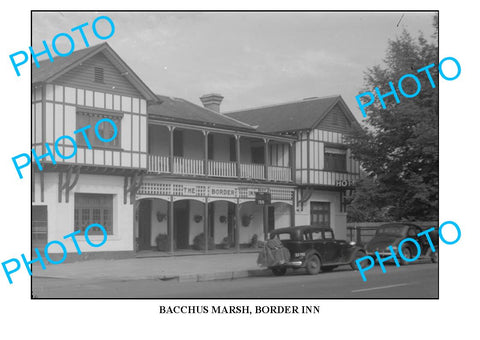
x=162, y=242
x=225, y=243
x=398, y=149
x=199, y=242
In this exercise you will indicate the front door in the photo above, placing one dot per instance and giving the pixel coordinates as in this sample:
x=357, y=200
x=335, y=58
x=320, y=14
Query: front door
x=333, y=250
x=181, y=224
x=144, y=224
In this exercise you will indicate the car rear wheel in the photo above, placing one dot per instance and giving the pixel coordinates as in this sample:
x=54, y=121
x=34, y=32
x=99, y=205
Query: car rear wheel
x=313, y=265
x=358, y=255
x=279, y=271
x=407, y=253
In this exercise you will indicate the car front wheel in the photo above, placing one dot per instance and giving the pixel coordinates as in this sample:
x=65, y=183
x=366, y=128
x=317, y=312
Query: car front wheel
x=358, y=255
x=313, y=265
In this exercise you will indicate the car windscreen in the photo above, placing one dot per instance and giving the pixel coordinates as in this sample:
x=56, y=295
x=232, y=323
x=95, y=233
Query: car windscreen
x=397, y=230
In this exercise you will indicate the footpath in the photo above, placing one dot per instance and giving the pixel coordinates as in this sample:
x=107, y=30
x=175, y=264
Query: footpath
x=194, y=268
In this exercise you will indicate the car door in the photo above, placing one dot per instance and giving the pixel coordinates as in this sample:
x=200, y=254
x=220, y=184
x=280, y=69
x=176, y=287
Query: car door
x=412, y=233
x=318, y=243
x=422, y=240
x=333, y=250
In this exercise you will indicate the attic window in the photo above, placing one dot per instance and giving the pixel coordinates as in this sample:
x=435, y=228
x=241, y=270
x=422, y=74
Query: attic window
x=98, y=77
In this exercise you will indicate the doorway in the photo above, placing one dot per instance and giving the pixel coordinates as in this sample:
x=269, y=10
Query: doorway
x=271, y=217
x=181, y=226
x=144, y=224
x=39, y=226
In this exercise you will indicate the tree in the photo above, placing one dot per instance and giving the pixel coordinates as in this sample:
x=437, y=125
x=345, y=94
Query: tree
x=398, y=149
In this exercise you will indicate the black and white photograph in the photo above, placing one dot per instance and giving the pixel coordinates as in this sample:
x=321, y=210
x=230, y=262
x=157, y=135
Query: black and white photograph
x=189, y=169
x=235, y=162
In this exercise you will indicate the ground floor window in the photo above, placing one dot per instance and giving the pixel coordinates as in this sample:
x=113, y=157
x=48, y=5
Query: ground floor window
x=320, y=214
x=94, y=208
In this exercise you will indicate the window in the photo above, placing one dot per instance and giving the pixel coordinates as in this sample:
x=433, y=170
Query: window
x=93, y=208
x=320, y=214
x=258, y=155
x=283, y=236
x=328, y=235
x=335, y=159
x=98, y=75
x=105, y=130
x=317, y=235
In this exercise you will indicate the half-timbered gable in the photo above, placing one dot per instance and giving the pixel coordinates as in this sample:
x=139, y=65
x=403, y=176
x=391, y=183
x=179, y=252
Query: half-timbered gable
x=74, y=92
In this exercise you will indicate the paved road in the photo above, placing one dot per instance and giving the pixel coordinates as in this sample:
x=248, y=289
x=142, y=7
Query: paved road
x=413, y=281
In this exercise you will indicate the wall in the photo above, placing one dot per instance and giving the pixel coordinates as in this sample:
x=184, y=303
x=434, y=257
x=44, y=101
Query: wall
x=335, y=120
x=338, y=220
x=158, y=140
x=61, y=215
x=279, y=154
x=314, y=152
x=158, y=205
x=221, y=147
x=83, y=76
x=256, y=224
x=282, y=215
x=246, y=148
x=193, y=144
x=60, y=119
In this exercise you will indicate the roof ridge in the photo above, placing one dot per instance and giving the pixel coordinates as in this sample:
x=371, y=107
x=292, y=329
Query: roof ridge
x=280, y=104
x=209, y=110
x=228, y=117
x=74, y=52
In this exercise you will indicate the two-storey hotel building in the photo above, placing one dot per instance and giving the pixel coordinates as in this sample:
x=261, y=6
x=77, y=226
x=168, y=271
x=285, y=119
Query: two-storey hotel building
x=178, y=171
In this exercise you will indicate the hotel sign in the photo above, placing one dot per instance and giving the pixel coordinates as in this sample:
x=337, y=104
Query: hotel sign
x=345, y=183
x=223, y=191
x=263, y=198
x=213, y=191
x=189, y=190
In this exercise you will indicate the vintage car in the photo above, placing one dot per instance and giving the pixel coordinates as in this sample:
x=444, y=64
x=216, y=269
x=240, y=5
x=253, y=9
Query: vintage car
x=391, y=234
x=314, y=248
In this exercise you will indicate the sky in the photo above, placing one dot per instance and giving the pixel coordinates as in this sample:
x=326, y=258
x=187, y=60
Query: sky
x=251, y=58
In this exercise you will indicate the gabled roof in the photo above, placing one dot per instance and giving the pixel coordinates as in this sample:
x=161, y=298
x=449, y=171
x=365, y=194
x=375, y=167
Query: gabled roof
x=181, y=110
x=49, y=71
x=305, y=114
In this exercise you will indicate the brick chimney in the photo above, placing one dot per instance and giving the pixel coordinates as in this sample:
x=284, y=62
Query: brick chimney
x=212, y=101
